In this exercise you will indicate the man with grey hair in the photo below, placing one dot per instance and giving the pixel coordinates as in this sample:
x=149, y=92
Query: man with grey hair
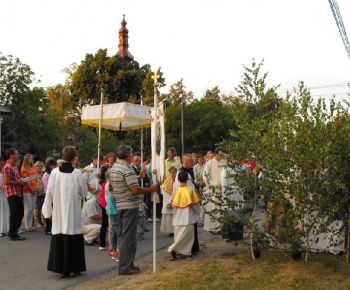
x=127, y=195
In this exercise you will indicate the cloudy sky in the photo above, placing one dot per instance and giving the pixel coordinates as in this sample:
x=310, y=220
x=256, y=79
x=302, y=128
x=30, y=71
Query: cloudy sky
x=205, y=42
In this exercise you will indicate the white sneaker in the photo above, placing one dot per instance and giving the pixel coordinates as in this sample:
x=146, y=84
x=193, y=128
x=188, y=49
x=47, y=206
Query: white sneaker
x=103, y=248
x=157, y=219
x=149, y=220
x=20, y=232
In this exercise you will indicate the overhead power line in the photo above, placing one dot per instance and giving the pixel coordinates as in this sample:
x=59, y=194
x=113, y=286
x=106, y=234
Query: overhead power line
x=341, y=28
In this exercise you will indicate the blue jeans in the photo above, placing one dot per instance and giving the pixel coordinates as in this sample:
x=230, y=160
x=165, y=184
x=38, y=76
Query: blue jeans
x=128, y=245
x=116, y=235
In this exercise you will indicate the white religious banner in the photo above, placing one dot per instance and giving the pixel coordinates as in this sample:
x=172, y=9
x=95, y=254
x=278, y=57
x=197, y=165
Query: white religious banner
x=158, y=139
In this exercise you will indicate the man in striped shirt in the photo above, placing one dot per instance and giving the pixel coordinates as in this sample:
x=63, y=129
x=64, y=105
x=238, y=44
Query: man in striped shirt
x=127, y=189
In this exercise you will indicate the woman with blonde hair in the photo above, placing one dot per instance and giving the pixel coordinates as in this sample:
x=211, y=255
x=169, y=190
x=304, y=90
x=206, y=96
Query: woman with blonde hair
x=29, y=191
x=40, y=196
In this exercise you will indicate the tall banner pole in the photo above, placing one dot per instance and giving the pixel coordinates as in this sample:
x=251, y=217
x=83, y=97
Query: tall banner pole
x=99, y=138
x=154, y=168
x=141, y=148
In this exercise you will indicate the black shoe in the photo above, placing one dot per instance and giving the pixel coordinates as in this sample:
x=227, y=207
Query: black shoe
x=137, y=269
x=88, y=244
x=171, y=235
x=17, y=238
x=146, y=230
x=173, y=254
x=130, y=272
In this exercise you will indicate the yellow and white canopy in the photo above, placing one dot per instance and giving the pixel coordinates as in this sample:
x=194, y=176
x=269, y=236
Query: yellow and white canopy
x=119, y=116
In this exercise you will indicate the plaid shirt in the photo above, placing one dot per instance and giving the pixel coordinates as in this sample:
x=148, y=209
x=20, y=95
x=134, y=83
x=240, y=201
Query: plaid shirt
x=10, y=170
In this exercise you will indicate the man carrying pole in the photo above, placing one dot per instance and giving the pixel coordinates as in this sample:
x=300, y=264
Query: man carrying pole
x=126, y=190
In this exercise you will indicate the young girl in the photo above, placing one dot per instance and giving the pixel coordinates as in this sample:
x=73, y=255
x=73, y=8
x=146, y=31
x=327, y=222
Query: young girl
x=167, y=211
x=50, y=165
x=115, y=229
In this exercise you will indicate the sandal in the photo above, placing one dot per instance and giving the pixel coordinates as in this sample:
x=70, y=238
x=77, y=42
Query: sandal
x=73, y=275
x=61, y=275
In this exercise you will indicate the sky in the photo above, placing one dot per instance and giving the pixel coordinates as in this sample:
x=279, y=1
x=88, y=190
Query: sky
x=205, y=42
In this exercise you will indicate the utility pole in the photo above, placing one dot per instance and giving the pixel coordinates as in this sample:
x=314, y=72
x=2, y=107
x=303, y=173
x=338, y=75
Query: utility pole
x=182, y=126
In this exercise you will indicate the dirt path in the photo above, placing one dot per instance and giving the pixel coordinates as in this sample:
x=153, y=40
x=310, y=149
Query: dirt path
x=211, y=247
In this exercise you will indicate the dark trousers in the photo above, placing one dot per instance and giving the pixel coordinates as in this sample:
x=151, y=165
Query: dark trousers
x=128, y=243
x=104, y=227
x=159, y=206
x=149, y=205
x=16, y=214
x=48, y=225
x=195, y=246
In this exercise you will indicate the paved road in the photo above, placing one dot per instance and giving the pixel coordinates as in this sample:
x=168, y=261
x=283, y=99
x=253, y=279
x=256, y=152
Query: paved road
x=23, y=263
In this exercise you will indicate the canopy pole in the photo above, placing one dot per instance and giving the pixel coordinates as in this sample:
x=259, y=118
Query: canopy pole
x=154, y=168
x=141, y=148
x=0, y=133
x=99, y=139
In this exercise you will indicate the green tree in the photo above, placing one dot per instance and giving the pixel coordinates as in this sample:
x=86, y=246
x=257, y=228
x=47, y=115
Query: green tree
x=15, y=78
x=88, y=141
x=253, y=118
x=32, y=126
x=120, y=80
x=178, y=95
x=211, y=118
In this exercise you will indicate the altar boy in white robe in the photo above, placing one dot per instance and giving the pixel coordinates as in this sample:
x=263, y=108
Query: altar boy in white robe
x=187, y=165
x=186, y=203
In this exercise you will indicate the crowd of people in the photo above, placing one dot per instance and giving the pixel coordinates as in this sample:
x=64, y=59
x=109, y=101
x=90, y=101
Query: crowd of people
x=109, y=203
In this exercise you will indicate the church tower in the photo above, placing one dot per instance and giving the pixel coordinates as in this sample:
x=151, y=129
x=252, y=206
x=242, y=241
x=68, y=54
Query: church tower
x=123, y=42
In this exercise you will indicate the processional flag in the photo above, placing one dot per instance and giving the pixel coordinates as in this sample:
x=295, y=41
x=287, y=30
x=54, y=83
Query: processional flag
x=158, y=140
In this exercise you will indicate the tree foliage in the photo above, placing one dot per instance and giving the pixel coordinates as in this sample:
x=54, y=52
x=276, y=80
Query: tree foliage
x=32, y=126
x=302, y=154
x=206, y=124
x=120, y=80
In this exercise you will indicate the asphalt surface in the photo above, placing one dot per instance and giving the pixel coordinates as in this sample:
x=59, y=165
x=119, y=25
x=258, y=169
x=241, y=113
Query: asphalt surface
x=24, y=263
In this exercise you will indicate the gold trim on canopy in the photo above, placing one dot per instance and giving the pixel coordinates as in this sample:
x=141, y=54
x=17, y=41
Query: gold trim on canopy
x=119, y=116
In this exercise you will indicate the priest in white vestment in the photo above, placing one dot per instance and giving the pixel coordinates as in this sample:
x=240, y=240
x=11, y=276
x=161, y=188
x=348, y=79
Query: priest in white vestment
x=230, y=189
x=65, y=191
x=213, y=188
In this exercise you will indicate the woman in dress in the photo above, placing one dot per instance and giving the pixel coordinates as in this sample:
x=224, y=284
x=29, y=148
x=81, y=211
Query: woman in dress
x=65, y=191
x=4, y=206
x=29, y=191
x=50, y=165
